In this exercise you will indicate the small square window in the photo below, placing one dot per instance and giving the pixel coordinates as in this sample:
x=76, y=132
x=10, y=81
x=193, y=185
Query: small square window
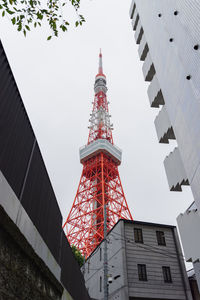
x=138, y=235
x=142, y=273
x=160, y=238
x=167, y=274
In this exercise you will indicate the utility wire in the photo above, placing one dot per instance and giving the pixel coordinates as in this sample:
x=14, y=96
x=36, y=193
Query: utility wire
x=146, y=246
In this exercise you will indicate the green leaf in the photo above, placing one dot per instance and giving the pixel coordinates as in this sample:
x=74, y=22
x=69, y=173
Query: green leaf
x=10, y=12
x=78, y=256
x=49, y=37
x=24, y=31
x=35, y=24
x=19, y=27
x=63, y=27
x=3, y=13
x=77, y=22
x=39, y=15
x=13, y=21
x=27, y=27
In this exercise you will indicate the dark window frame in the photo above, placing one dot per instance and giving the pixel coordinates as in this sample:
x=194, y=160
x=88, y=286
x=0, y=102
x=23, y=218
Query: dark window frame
x=160, y=235
x=138, y=235
x=167, y=274
x=100, y=254
x=100, y=284
x=142, y=272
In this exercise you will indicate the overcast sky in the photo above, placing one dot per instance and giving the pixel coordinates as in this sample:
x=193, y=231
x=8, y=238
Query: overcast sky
x=56, y=80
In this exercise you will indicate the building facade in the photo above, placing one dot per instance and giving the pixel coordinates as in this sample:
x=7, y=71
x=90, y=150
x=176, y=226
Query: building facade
x=189, y=225
x=193, y=284
x=168, y=35
x=144, y=262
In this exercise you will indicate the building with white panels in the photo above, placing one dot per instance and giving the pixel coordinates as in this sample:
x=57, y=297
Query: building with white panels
x=168, y=35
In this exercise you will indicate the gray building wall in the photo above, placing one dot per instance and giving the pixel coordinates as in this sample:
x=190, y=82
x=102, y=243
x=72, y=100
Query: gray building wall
x=167, y=33
x=124, y=255
x=116, y=266
x=154, y=257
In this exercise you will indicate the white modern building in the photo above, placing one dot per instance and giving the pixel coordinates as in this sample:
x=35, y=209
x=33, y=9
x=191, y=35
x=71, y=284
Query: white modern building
x=168, y=35
x=145, y=261
x=189, y=226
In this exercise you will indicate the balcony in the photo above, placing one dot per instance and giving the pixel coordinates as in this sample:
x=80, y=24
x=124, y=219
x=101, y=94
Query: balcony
x=175, y=171
x=135, y=20
x=163, y=127
x=148, y=68
x=155, y=94
x=143, y=48
x=138, y=33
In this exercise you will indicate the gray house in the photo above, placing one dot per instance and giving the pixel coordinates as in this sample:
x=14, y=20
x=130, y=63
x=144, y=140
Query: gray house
x=145, y=261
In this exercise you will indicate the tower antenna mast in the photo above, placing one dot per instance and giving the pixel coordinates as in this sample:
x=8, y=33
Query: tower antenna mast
x=100, y=197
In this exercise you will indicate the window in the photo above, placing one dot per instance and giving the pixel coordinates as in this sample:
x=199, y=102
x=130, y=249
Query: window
x=167, y=274
x=142, y=273
x=100, y=254
x=161, y=238
x=138, y=235
x=100, y=284
x=188, y=77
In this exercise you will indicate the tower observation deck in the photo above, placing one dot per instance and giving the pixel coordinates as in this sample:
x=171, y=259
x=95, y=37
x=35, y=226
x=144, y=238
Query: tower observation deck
x=100, y=182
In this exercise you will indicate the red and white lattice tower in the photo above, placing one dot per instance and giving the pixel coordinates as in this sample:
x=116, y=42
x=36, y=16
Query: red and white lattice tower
x=100, y=182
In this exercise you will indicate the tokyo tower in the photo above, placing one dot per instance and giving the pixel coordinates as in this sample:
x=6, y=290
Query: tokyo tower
x=100, y=183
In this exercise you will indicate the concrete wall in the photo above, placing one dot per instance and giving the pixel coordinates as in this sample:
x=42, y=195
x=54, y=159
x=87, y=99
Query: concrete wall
x=28, y=268
x=28, y=206
x=20, y=276
x=171, y=31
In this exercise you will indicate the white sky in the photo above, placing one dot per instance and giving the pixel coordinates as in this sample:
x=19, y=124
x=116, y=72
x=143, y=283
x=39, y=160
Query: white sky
x=56, y=83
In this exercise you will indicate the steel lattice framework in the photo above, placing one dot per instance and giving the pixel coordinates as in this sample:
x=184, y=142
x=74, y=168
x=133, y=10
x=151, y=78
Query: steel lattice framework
x=100, y=181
